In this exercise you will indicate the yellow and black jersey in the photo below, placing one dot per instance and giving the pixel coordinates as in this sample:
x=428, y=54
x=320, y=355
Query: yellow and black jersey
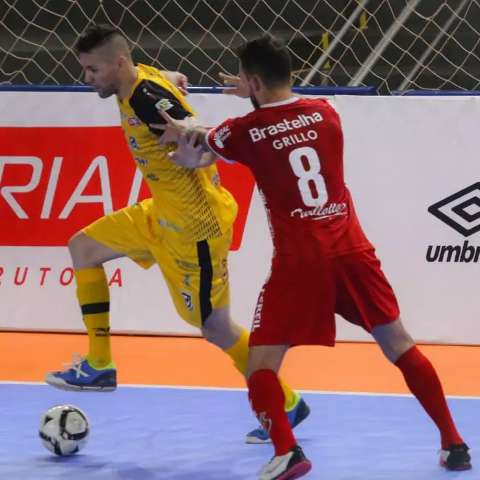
x=190, y=203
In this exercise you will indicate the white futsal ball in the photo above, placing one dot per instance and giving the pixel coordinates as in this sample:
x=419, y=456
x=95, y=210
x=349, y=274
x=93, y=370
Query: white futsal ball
x=64, y=429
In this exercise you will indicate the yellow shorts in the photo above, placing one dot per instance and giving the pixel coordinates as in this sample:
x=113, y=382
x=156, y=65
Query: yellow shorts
x=196, y=272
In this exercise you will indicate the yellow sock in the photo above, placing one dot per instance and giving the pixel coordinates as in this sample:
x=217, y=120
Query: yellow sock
x=94, y=299
x=238, y=352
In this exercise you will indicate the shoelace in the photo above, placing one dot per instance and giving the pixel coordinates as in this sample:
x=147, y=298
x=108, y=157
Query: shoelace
x=76, y=365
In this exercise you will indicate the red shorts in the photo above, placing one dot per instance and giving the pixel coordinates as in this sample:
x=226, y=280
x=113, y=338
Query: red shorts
x=297, y=304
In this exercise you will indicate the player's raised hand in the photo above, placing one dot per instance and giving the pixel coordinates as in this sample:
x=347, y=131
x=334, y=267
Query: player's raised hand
x=235, y=84
x=189, y=151
x=172, y=129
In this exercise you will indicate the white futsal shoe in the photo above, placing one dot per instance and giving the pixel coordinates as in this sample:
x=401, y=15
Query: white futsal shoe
x=292, y=465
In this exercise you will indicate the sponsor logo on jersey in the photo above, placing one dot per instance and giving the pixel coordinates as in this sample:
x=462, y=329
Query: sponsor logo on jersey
x=461, y=212
x=216, y=179
x=221, y=135
x=143, y=162
x=167, y=224
x=300, y=121
x=152, y=176
x=164, y=104
x=187, y=298
x=132, y=141
x=134, y=121
x=321, y=212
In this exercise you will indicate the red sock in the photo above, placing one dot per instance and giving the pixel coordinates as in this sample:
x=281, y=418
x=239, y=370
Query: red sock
x=267, y=400
x=423, y=382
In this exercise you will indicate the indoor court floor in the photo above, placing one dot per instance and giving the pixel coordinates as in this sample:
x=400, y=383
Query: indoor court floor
x=181, y=412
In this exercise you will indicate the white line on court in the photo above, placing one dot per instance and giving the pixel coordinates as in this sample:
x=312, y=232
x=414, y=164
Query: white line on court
x=188, y=387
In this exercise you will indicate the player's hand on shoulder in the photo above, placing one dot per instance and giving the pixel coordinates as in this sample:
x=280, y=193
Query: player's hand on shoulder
x=172, y=128
x=234, y=85
x=178, y=79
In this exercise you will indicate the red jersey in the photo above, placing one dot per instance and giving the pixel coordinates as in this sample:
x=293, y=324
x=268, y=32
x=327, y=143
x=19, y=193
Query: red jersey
x=295, y=151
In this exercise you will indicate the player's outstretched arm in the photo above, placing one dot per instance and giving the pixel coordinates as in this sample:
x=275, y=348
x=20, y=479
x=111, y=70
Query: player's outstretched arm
x=234, y=86
x=190, y=152
x=192, y=149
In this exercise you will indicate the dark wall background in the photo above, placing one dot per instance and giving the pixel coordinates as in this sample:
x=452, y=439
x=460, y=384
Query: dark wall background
x=36, y=38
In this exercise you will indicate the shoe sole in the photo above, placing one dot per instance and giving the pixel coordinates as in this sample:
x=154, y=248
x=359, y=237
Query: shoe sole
x=297, y=471
x=256, y=441
x=62, y=385
x=459, y=469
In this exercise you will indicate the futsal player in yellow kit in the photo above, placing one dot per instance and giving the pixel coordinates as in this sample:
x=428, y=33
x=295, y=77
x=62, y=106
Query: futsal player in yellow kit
x=185, y=227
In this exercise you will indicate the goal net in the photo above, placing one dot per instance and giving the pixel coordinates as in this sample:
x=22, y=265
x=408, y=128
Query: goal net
x=390, y=44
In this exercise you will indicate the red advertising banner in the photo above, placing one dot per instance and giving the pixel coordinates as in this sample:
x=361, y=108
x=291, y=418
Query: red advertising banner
x=56, y=180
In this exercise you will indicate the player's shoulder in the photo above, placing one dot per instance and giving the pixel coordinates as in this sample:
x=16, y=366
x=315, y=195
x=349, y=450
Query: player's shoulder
x=316, y=102
x=151, y=81
x=151, y=74
x=152, y=91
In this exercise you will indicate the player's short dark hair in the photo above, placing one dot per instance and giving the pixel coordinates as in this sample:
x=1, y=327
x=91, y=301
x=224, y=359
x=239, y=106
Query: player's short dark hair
x=267, y=57
x=95, y=36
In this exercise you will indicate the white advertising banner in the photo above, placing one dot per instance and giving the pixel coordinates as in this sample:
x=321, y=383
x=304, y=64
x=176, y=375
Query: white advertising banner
x=411, y=164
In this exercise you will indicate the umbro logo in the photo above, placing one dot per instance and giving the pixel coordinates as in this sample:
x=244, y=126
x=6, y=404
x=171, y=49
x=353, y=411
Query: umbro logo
x=461, y=210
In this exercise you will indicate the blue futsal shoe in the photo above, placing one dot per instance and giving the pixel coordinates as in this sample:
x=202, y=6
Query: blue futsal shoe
x=81, y=376
x=295, y=416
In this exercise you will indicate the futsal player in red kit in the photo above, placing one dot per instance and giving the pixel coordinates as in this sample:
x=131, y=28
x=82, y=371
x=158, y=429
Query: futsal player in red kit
x=322, y=262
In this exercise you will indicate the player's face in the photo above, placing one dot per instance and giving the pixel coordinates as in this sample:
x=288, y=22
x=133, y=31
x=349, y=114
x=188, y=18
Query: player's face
x=102, y=74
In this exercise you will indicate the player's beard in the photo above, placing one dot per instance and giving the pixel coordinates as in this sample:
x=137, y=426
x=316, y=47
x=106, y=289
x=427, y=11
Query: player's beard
x=254, y=101
x=107, y=92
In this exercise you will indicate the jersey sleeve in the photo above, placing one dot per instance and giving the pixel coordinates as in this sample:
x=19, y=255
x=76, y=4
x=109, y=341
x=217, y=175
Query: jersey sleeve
x=226, y=141
x=145, y=106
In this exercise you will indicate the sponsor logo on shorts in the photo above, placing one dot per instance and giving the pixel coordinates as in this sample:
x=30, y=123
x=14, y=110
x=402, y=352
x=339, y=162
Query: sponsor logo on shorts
x=187, y=298
x=257, y=316
x=186, y=265
x=461, y=212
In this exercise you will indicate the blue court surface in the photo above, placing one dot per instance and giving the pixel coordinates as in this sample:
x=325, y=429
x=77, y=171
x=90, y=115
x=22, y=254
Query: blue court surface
x=143, y=433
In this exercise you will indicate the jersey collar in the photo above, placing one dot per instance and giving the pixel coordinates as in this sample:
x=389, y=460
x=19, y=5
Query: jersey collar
x=281, y=102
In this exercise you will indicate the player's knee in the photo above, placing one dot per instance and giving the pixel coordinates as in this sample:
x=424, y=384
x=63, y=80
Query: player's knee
x=220, y=330
x=395, y=346
x=393, y=339
x=208, y=334
x=214, y=333
x=82, y=250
